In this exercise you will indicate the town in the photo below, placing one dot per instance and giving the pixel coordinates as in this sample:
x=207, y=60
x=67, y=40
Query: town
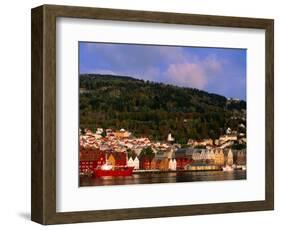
x=121, y=149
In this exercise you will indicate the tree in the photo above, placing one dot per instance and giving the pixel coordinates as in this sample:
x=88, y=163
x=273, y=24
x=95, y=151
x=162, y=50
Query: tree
x=131, y=153
x=153, y=109
x=147, y=152
x=103, y=134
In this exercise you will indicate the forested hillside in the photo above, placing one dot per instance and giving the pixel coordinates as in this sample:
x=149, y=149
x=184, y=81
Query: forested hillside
x=155, y=109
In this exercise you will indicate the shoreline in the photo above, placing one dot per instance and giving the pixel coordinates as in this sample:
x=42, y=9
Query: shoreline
x=172, y=171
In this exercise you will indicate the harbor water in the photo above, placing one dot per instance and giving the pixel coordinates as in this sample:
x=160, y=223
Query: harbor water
x=166, y=177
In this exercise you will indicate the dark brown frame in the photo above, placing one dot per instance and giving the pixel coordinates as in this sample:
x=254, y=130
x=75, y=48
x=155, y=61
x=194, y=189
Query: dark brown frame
x=43, y=188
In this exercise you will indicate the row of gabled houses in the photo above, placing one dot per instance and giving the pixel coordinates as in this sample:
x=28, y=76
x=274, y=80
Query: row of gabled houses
x=177, y=160
x=216, y=156
x=224, y=141
x=113, y=146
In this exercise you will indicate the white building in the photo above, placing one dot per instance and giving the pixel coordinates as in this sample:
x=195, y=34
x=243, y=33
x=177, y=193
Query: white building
x=228, y=131
x=229, y=160
x=99, y=131
x=136, y=163
x=130, y=162
x=170, y=138
x=172, y=164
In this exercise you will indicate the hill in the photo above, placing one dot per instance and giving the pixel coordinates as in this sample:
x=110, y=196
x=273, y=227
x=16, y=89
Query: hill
x=154, y=109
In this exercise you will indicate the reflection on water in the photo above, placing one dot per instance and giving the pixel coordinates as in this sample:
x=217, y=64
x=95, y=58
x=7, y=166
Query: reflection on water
x=171, y=177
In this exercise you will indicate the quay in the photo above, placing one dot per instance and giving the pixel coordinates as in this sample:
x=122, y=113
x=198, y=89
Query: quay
x=157, y=171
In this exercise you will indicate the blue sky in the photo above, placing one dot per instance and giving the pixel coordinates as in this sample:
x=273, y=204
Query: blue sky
x=215, y=70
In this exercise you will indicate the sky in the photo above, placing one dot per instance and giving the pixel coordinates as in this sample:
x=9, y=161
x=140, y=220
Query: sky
x=215, y=70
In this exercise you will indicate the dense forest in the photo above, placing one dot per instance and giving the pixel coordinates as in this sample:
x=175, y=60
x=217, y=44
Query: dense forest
x=154, y=109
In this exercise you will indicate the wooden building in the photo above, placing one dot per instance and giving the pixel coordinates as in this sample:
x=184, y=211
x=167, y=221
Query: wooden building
x=219, y=157
x=183, y=157
x=164, y=164
x=136, y=163
x=229, y=159
x=241, y=157
x=144, y=162
x=90, y=159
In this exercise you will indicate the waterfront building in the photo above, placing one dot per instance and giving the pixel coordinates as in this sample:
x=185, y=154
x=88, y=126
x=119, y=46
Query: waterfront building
x=219, y=157
x=203, y=155
x=196, y=156
x=174, y=164
x=144, y=162
x=136, y=163
x=241, y=157
x=159, y=157
x=171, y=164
x=164, y=164
x=167, y=156
x=111, y=160
x=130, y=162
x=229, y=160
x=211, y=157
x=183, y=157
x=153, y=164
x=120, y=158
x=89, y=159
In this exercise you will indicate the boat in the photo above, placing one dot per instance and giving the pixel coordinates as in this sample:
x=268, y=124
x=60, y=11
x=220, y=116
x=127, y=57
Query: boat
x=227, y=168
x=109, y=170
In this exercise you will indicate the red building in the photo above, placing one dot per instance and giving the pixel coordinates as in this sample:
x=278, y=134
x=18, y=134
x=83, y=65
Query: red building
x=144, y=162
x=90, y=159
x=120, y=158
x=182, y=162
x=183, y=157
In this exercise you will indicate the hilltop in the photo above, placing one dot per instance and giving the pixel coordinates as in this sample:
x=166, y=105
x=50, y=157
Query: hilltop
x=154, y=109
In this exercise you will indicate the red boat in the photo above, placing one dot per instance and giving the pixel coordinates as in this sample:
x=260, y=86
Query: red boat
x=109, y=170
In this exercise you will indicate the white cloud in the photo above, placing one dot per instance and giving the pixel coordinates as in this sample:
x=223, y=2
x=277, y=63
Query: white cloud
x=212, y=64
x=187, y=74
x=172, y=65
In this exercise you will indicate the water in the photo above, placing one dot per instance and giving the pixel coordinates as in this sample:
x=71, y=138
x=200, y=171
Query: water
x=169, y=177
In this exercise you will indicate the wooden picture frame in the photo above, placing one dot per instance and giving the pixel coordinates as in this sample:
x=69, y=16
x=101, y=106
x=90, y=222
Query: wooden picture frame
x=43, y=188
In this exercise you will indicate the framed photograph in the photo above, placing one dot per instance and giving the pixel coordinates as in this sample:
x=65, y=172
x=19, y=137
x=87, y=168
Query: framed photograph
x=140, y=114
